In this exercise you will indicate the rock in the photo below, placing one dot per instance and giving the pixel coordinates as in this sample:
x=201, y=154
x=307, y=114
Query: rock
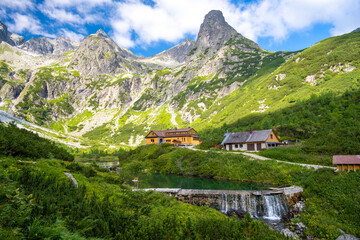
x=345, y=236
x=46, y=46
x=69, y=175
x=175, y=55
x=214, y=32
x=239, y=213
x=300, y=225
x=289, y=233
x=8, y=37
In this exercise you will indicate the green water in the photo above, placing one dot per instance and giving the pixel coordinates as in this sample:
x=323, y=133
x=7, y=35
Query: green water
x=185, y=182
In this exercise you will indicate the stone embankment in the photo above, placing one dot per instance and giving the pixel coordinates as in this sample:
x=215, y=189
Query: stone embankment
x=213, y=198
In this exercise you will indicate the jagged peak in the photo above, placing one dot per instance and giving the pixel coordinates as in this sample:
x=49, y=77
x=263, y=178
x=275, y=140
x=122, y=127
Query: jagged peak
x=215, y=16
x=101, y=33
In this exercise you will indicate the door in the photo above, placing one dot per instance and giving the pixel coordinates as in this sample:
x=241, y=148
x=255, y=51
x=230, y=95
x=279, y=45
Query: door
x=230, y=147
x=250, y=147
x=258, y=146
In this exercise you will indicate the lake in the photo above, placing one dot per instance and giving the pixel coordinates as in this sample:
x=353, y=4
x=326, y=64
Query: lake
x=155, y=180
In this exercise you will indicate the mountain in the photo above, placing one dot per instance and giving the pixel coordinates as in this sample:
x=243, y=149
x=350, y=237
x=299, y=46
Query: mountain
x=104, y=93
x=98, y=54
x=8, y=37
x=356, y=30
x=173, y=56
x=215, y=32
x=46, y=46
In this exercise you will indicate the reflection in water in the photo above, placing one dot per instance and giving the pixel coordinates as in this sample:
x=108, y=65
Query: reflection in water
x=186, y=182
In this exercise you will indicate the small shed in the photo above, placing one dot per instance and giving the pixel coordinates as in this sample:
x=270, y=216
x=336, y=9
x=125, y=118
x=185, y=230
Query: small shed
x=347, y=162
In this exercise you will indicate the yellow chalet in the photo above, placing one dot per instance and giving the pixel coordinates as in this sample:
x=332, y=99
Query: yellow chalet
x=175, y=136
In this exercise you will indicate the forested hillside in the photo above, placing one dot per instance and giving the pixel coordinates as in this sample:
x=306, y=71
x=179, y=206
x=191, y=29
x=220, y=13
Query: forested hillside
x=22, y=143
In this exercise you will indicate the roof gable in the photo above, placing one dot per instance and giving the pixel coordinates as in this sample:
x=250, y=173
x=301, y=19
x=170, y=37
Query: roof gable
x=244, y=137
x=151, y=134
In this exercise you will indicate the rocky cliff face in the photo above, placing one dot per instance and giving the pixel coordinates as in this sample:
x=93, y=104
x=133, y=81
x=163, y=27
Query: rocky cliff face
x=46, y=46
x=8, y=37
x=214, y=32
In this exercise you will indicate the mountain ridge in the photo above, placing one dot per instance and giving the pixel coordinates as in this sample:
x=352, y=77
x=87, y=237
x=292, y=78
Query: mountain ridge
x=102, y=92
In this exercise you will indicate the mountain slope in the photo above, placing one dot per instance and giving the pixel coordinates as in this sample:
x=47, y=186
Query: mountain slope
x=173, y=56
x=104, y=92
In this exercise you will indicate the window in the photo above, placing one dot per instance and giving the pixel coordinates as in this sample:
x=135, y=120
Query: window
x=241, y=145
x=271, y=136
x=236, y=146
x=152, y=140
x=168, y=140
x=183, y=139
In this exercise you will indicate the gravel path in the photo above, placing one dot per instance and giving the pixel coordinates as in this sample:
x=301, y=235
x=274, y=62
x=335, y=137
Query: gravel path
x=255, y=156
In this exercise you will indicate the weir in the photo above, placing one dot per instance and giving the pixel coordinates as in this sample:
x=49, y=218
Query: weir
x=271, y=204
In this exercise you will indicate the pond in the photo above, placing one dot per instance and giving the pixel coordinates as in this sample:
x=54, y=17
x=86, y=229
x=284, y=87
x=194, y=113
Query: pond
x=155, y=180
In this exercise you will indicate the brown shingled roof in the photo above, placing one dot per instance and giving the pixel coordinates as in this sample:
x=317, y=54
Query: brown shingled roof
x=346, y=159
x=163, y=133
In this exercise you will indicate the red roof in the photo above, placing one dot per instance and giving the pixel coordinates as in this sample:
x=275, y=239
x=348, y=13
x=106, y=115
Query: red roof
x=346, y=159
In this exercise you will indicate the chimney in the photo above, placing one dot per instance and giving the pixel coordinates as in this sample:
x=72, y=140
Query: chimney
x=251, y=130
x=175, y=128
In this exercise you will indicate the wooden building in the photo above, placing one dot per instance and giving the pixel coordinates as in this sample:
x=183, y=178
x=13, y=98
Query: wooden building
x=347, y=162
x=253, y=140
x=187, y=136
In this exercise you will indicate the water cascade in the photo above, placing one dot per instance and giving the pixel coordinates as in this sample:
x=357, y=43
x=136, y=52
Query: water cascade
x=271, y=207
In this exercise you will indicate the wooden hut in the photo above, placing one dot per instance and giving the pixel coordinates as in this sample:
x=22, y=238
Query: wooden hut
x=347, y=162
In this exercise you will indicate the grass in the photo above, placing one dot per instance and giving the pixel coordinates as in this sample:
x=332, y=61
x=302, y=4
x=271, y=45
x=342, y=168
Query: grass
x=331, y=198
x=296, y=154
x=39, y=201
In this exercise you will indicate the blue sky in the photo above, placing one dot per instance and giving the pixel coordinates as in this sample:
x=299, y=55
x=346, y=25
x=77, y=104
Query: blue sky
x=148, y=27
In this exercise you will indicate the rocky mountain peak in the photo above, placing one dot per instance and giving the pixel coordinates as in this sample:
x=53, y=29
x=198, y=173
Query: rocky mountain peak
x=11, y=38
x=214, y=31
x=46, y=46
x=101, y=33
x=215, y=17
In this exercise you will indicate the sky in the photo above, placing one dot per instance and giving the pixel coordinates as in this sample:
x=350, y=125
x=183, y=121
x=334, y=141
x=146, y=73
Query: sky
x=148, y=27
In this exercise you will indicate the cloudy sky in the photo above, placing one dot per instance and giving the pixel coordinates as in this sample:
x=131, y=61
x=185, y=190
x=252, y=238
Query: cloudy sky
x=148, y=27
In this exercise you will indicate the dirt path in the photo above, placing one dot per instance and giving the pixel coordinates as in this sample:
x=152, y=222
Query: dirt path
x=254, y=156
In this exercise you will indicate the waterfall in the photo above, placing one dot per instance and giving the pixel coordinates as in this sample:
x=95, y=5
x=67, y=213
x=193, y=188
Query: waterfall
x=271, y=207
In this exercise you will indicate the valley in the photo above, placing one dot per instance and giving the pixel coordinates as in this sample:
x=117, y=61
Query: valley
x=78, y=111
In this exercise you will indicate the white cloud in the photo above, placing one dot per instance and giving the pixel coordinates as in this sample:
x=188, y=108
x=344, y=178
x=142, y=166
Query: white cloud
x=277, y=19
x=76, y=12
x=17, y=4
x=71, y=34
x=167, y=20
x=62, y=15
x=27, y=23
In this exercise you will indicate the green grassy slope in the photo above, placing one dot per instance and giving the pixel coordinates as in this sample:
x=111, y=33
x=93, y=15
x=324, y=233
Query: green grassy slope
x=39, y=202
x=329, y=60
x=331, y=198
